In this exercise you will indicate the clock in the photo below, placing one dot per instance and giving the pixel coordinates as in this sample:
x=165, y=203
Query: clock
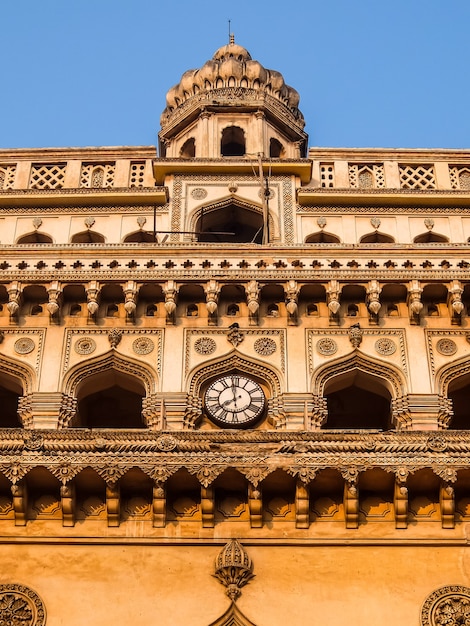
x=234, y=401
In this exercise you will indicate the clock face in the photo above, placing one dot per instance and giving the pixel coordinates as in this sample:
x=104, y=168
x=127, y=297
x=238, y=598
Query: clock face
x=234, y=401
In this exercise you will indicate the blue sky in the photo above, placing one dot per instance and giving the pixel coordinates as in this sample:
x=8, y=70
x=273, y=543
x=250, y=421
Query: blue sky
x=369, y=73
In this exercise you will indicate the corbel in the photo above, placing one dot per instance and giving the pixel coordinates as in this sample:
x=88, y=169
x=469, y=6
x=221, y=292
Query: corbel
x=351, y=498
x=255, y=506
x=373, y=301
x=159, y=505
x=54, y=292
x=14, y=290
x=130, y=304
x=414, y=301
x=207, y=507
x=212, y=290
x=68, y=501
x=302, y=505
x=170, y=289
x=400, y=500
x=92, y=294
x=291, y=291
x=333, y=291
x=19, y=492
x=447, y=501
x=252, y=298
x=456, y=306
x=113, y=502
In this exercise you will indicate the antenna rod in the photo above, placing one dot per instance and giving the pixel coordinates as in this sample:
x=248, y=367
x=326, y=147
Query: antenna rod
x=229, y=33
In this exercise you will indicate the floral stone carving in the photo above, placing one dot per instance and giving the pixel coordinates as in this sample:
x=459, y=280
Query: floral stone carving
x=233, y=568
x=326, y=346
x=143, y=345
x=265, y=346
x=447, y=606
x=24, y=345
x=446, y=346
x=85, y=345
x=205, y=345
x=21, y=606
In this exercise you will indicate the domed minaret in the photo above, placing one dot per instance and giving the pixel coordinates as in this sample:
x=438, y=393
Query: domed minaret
x=232, y=107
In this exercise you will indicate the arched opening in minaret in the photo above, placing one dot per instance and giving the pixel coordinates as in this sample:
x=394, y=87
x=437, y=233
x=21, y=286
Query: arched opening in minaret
x=322, y=237
x=87, y=236
x=459, y=393
x=110, y=399
x=35, y=237
x=233, y=142
x=230, y=224
x=276, y=149
x=377, y=237
x=357, y=401
x=10, y=392
x=188, y=149
x=430, y=237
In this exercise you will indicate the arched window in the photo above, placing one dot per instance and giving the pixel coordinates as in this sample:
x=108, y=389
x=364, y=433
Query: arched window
x=392, y=310
x=112, y=310
x=140, y=236
x=9, y=396
x=192, y=310
x=151, y=310
x=75, y=310
x=322, y=237
x=273, y=310
x=312, y=310
x=97, y=177
x=362, y=404
x=188, y=149
x=233, y=310
x=233, y=141
x=36, y=309
x=430, y=237
x=87, y=236
x=276, y=149
x=35, y=237
x=353, y=310
x=433, y=310
x=377, y=237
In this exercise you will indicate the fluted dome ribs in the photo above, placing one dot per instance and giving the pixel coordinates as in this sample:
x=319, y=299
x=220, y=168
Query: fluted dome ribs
x=231, y=67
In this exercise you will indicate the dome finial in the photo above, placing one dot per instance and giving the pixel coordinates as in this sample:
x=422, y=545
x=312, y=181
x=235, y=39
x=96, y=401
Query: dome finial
x=232, y=38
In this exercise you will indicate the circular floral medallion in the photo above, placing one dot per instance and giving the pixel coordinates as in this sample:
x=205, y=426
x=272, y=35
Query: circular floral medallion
x=205, y=345
x=270, y=194
x=24, y=345
x=265, y=346
x=199, y=193
x=326, y=346
x=447, y=606
x=436, y=443
x=85, y=345
x=166, y=443
x=21, y=606
x=385, y=346
x=143, y=345
x=446, y=347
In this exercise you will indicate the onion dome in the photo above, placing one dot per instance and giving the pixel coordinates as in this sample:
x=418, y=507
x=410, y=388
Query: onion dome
x=231, y=74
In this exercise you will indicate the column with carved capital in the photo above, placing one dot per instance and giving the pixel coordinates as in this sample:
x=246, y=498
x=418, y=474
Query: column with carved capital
x=414, y=301
x=252, y=298
x=170, y=289
x=212, y=290
x=291, y=291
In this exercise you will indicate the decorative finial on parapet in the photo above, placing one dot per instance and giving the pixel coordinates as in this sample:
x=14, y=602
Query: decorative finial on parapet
x=233, y=568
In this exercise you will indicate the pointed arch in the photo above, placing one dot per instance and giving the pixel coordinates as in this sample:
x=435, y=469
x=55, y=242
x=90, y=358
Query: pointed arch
x=111, y=360
x=447, y=375
x=232, y=215
x=430, y=237
x=232, y=617
x=389, y=376
x=16, y=375
x=376, y=237
x=233, y=362
x=87, y=236
x=322, y=237
x=34, y=237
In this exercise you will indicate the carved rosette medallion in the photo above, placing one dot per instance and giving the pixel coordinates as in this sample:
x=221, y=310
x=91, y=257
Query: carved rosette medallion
x=446, y=346
x=205, y=345
x=447, y=606
x=166, y=443
x=436, y=443
x=85, y=345
x=199, y=193
x=24, y=345
x=21, y=606
x=265, y=346
x=385, y=346
x=327, y=346
x=269, y=193
x=143, y=345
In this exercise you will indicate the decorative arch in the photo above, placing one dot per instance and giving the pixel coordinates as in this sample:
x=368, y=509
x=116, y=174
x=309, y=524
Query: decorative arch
x=35, y=237
x=430, y=237
x=233, y=362
x=376, y=237
x=389, y=376
x=87, y=236
x=322, y=237
x=449, y=373
x=109, y=361
x=140, y=236
x=230, y=214
x=232, y=617
x=17, y=374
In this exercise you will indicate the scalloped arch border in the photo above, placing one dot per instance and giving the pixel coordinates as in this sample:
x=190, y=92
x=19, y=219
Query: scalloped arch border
x=450, y=372
x=108, y=361
x=234, y=361
x=19, y=371
x=392, y=378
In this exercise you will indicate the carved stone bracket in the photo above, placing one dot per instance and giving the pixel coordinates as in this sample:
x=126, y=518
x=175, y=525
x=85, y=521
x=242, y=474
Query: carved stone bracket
x=414, y=301
x=193, y=412
x=292, y=293
x=170, y=289
x=153, y=411
x=14, y=291
x=333, y=291
x=212, y=290
x=92, y=295
x=67, y=410
x=252, y=297
x=319, y=412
